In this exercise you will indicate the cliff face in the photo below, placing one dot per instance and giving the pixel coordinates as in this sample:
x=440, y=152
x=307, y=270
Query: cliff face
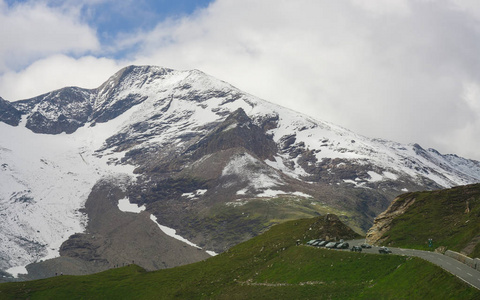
x=383, y=223
x=447, y=219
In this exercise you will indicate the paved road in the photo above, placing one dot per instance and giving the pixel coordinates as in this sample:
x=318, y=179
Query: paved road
x=462, y=271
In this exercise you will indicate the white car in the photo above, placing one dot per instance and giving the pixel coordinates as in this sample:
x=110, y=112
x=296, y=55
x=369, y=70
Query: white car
x=331, y=245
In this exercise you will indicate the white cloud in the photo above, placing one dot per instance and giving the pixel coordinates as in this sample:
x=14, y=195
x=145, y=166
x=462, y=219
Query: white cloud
x=384, y=6
x=55, y=72
x=33, y=30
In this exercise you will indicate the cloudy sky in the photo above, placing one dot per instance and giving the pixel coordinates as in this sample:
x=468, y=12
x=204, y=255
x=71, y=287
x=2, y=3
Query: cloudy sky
x=403, y=70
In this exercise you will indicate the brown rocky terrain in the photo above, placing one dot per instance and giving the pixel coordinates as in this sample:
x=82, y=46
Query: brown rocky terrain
x=114, y=238
x=383, y=222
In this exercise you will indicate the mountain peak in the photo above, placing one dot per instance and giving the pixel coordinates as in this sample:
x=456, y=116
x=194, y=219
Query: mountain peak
x=238, y=116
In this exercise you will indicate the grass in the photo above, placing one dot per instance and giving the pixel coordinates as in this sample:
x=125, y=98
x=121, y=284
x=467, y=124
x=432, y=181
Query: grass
x=269, y=266
x=232, y=223
x=441, y=216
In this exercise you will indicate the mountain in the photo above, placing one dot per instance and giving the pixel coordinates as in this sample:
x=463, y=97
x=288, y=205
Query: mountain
x=449, y=217
x=270, y=265
x=91, y=178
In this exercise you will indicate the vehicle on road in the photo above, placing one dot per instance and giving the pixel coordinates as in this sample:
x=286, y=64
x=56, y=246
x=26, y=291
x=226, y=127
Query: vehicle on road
x=356, y=249
x=384, y=250
x=322, y=244
x=314, y=242
x=365, y=245
x=344, y=245
x=331, y=245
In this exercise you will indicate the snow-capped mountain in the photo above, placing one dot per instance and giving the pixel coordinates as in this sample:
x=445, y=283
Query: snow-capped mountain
x=198, y=155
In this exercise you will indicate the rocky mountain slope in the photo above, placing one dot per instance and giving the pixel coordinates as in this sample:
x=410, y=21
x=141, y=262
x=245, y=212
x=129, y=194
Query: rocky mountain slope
x=450, y=218
x=197, y=155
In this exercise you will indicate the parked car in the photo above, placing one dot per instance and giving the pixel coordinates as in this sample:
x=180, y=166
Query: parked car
x=365, y=245
x=356, y=249
x=344, y=245
x=384, y=250
x=322, y=244
x=331, y=245
x=316, y=242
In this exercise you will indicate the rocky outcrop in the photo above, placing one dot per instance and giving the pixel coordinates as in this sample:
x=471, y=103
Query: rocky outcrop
x=333, y=229
x=237, y=130
x=8, y=113
x=63, y=110
x=383, y=222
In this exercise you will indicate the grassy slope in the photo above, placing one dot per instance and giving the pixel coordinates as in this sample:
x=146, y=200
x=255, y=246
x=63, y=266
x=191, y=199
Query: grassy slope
x=443, y=218
x=269, y=266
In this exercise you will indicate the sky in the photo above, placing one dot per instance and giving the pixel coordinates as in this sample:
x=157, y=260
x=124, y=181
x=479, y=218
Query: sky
x=401, y=70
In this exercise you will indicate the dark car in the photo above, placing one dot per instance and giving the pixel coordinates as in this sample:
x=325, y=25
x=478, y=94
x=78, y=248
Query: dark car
x=365, y=245
x=384, y=250
x=342, y=246
x=356, y=249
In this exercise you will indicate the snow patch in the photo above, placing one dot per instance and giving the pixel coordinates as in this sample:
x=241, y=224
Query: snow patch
x=390, y=175
x=125, y=206
x=270, y=193
x=172, y=233
x=278, y=164
x=195, y=194
x=242, y=192
x=232, y=126
x=356, y=183
x=302, y=194
x=254, y=172
x=15, y=271
x=374, y=177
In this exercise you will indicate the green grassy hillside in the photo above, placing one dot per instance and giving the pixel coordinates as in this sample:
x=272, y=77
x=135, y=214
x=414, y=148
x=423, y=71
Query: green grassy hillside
x=449, y=217
x=269, y=266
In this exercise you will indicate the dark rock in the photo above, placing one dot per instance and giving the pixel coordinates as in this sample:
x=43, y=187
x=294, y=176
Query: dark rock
x=8, y=113
x=81, y=246
x=237, y=130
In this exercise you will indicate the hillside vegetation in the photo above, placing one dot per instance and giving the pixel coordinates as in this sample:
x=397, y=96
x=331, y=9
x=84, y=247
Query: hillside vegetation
x=450, y=217
x=269, y=266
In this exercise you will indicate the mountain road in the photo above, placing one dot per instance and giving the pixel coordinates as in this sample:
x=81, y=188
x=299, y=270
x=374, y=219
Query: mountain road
x=462, y=271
